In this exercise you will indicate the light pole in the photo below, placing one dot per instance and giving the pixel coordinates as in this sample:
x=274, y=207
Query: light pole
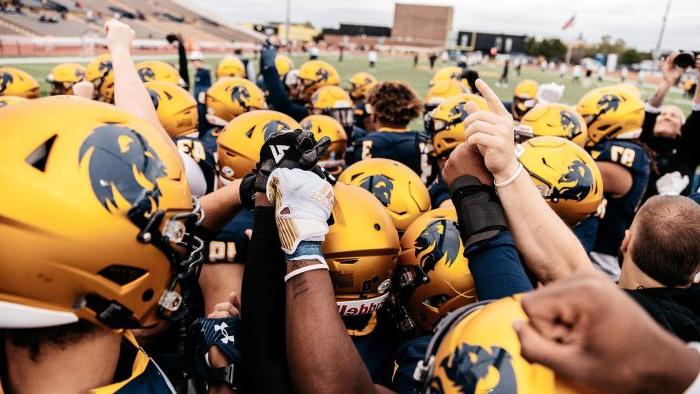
x=286, y=25
x=661, y=33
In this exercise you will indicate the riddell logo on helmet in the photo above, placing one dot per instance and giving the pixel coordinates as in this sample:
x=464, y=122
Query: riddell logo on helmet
x=360, y=307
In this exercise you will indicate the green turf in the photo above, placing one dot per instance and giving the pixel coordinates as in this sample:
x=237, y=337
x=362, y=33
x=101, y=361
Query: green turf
x=400, y=68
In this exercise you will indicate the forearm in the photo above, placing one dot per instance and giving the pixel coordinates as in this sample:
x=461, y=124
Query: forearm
x=130, y=94
x=658, y=98
x=183, y=69
x=548, y=246
x=262, y=310
x=217, y=281
x=316, y=337
x=278, y=98
x=221, y=206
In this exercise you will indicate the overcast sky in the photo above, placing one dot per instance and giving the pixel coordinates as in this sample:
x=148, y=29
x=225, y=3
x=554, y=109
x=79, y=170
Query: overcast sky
x=636, y=21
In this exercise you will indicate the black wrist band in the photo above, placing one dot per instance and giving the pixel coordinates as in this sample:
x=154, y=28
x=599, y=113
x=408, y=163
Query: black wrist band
x=480, y=215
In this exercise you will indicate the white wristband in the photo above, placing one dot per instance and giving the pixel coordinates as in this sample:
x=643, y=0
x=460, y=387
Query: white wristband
x=319, y=266
x=511, y=179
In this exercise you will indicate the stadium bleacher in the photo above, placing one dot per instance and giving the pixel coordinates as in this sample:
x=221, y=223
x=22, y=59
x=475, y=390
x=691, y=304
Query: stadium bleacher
x=150, y=19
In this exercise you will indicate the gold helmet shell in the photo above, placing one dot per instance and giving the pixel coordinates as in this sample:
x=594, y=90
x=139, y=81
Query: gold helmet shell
x=478, y=348
x=156, y=70
x=99, y=71
x=176, y=108
x=230, y=97
x=565, y=174
x=10, y=100
x=326, y=126
x=240, y=141
x=230, y=66
x=396, y=186
x=360, y=84
x=448, y=122
x=436, y=95
x=361, y=249
x=524, y=98
x=453, y=73
x=315, y=74
x=432, y=255
x=96, y=195
x=553, y=119
x=612, y=112
x=64, y=76
x=335, y=102
x=284, y=65
x=15, y=82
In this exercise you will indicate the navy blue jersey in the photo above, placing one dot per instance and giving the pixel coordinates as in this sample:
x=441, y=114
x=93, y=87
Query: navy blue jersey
x=230, y=244
x=202, y=83
x=377, y=348
x=619, y=212
x=195, y=149
x=360, y=113
x=407, y=147
x=208, y=139
x=356, y=134
x=586, y=232
x=439, y=192
x=407, y=358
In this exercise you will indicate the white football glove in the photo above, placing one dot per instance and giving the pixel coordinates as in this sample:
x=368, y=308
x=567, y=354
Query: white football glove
x=672, y=184
x=550, y=93
x=303, y=203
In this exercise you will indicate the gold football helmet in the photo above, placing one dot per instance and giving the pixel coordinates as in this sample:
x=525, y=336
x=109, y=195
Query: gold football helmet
x=437, y=94
x=448, y=122
x=240, y=141
x=230, y=66
x=453, y=73
x=230, y=97
x=395, y=185
x=326, y=126
x=612, y=112
x=283, y=64
x=99, y=200
x=335, y=102
x=360, y=84
x=477, y=348
x=176, y=108
x=361, y=249
x=9, y=100
x=565, y=174
x=155, y=70
x=15, y=82
x=99, y=72
x=313, y=75
x=64, y=76
x=524, y=98
x=433, y=275
x=553, y=119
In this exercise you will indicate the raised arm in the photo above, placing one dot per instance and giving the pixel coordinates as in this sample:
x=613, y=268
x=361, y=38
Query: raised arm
x=670, y=74
x=277, y=96
x=546, y=243
x=130, y=94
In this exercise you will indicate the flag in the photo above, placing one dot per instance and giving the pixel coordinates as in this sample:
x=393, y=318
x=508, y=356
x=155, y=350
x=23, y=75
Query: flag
x=569, y=22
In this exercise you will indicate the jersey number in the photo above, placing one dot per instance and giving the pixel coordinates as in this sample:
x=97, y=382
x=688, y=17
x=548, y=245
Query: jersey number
x=622, y=155
x=194, y=149
x=366, y=149
x=220, y=251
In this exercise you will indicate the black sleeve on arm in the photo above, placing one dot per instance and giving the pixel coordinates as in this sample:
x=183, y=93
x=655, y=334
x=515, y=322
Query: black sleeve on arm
x=277, y=96
x=647, y=135
x=182, y=58
x=263, y=310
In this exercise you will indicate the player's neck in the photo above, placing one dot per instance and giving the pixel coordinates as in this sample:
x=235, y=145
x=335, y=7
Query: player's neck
x=77, y=367
x=632, y=277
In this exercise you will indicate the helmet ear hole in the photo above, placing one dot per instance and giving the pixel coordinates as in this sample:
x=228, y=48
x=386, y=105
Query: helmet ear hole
x=122, y=274
x=377, y=226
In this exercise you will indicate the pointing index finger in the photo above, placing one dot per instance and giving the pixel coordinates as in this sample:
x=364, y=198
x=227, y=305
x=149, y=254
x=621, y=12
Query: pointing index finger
x=494, y=103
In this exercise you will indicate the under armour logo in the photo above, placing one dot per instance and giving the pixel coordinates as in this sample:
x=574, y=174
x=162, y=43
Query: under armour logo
x=278, y=152
x=225, y=337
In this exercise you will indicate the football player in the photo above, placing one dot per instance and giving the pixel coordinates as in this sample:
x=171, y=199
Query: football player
x=614, y=119
x=99, y=72
x=524, y=98
x=436, y=95
x=64, y=76
x=326, y=126
x=155, y=70
x=15, y=82
x=360, y=85
x=391, y=107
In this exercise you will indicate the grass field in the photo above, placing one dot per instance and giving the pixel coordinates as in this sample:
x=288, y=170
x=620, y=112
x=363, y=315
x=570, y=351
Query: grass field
x=399, y=68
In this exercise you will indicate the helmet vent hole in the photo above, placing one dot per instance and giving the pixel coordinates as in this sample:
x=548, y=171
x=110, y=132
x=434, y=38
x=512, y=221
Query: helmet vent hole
x=603, y=127
x=39, y=157
x=147, y=295
x=121, y=274
x=348, y=261
x=377, y=226
x=249, y=133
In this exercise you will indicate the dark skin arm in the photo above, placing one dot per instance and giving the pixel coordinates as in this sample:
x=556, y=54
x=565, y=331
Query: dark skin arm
x=617, y=181
x=320, y=354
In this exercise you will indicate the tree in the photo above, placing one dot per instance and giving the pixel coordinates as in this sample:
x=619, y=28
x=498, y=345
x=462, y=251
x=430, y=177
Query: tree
x=552, y=49
x=632, y=56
